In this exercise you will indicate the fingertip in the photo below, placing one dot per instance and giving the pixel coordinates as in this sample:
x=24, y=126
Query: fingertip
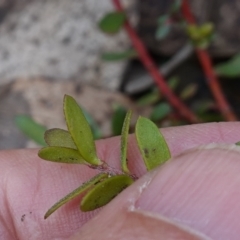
x=135, y=225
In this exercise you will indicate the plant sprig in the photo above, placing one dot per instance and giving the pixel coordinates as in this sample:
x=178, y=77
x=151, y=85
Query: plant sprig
x=76, y=146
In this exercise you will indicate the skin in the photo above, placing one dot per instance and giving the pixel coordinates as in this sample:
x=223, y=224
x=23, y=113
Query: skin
x=196, y=195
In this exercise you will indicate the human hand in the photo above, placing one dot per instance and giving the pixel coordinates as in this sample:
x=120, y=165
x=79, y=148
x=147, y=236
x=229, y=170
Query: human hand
x=194, y=195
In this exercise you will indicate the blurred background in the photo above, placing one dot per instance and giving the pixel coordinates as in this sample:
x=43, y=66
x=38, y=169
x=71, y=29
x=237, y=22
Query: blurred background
x=56, y=47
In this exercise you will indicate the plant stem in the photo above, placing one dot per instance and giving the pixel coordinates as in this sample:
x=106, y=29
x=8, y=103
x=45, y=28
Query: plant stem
x=207, y=66
x=105, y=168
x=153, y=71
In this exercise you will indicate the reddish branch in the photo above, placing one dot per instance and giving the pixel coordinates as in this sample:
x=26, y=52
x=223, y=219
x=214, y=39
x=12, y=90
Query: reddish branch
x=207, y=66
x=154, y=72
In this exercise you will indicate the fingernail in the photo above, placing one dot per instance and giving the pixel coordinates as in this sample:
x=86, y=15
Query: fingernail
x=200, y=189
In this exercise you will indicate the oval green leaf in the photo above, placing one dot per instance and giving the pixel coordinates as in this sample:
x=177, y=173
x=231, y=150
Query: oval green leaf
x=189, y=91
x=176, y=6
x=85, y=186
x=160, y=111
x=173, y=82
x=163, y=31
x=229, y=68
x=61, y=154
x=112, y=22
x=31, y=128
x=80, y=131
x=124, y=142
x=104, y=192
x=59, y=138
x=151, y=143
x=149, y=98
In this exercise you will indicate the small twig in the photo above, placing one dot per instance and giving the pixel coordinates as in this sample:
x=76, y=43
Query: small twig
x=153, y=71
x=207, y=66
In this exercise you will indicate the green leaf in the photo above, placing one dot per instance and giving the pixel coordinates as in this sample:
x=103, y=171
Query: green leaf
x=112, y=22
x=31, y=128
x=201, y=36
x=164, y=27
x=173, y=82
x=189, y=91
x=61, y=154
x=94, y=127
x=206, y=29
x=149, y=98
x=59, y=138
x=124, y=142
x=160, y=111
x=85, y=186
x=230, y=68
x=238, y=143
x=118, y=119
x=80, y=131
x=204, y=105
x=163, y=31
x=104, y=192
x=118, y=56
x=163, y=19
x=151, y=143
x=194, y=32
x=176, y=6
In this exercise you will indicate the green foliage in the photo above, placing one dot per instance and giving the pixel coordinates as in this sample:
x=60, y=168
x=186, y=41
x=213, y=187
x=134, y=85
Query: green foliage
x=201, y=36
x=176, y=6
x=119, y=56
x=149, y=98
x=203, y=106
x=61, y=154
x=103, y=192
x=160, y=111
x=163, y=31
x=124, y=141
x=165, y=21
x=77, y=146
x=118, y=119
x=206, y=110
x=112, y=22
x=30, y=128
x=189, y=91
x=154, y=95
x=164, y=27
x=84, y=187
x=56, y=137
x=230, y=68
x=80, y=131
x=151, y=143
x=173, y=82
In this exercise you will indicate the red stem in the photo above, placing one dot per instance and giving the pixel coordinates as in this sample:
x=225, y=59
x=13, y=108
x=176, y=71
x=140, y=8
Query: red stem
x=154, y=72
x=207, y=66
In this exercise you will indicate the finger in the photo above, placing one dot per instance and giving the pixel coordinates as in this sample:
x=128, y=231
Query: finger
x=193, y=196
x=136, y=225
x=179, y=140
x=201, y=190
x=31, y=185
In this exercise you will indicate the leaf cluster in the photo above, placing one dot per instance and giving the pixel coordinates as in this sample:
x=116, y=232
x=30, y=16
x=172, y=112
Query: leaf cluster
x=201, y=36
x=76, y=146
